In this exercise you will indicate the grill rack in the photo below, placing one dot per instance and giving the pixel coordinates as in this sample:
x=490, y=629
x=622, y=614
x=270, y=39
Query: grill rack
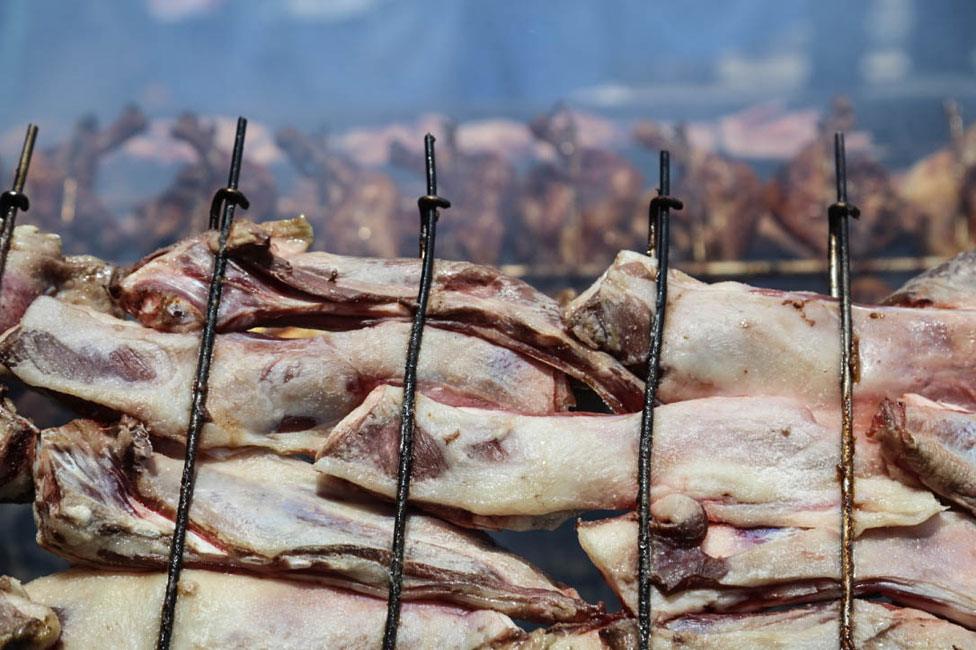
x=228, y=198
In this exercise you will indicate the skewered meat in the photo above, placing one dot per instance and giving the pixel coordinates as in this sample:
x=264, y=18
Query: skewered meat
x=934, y=442
x=224, y=611
x=496, y=469
x=358, y=209
x=732, y=339
x=877, y=626
x=17, y=439
x=950, y=285
x=103, y=497
x=267, y=283
x=282, y=394
x=34, y=266
x=615, y=634
x=745, y=569
x=25, y=623
x=480, y=186
x=802, y=190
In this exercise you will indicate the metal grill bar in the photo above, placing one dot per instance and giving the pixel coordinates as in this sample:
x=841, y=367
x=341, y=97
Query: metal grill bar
x=228, y=197
x=840, y=287
x=14, y=199
x=428, y=205
x=659, y=237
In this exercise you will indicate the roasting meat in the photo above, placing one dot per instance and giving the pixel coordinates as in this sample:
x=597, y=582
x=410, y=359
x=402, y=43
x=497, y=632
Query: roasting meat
x=732, y=339
x=34, y=266
x=877, y=627
x=269, y=282
x=103, y=497
x=283, y=394
x=934, y=442
x=24, y=623
x=950, y=285
x=17, y=439
x=223, y=611
x=613, y=634
x=749, y=462
x=931, y=566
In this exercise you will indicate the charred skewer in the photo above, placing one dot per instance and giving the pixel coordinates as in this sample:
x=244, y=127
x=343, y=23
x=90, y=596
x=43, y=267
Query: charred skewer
x=658, y=242
x=429, y=205
x=840, y=288
x=227, y=198
x=14, y=199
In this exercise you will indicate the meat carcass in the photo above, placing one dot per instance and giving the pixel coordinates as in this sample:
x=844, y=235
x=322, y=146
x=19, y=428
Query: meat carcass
x=878, y=626
x=931, y=566
x=225, y=611
x=934, y=442
x=283, y=394
x=950, y=285
x=748, y=461
x=268, y=282
x=17, y=439
x=34, y=267
x=25, y=623
x=732, y=339
x=104, y=498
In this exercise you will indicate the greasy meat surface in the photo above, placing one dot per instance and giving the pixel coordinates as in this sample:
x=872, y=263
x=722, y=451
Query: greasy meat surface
x=17, y=438
x=34, y=266
x=614, y=634
x=934, y=442
x=931, y=566
x=748, y=461
x=271, y=283
x=104, y=498
x=950, y=285
x=815, y=627
x=223, y=611
x=24, y=622
x=732, y=339
x=267, y=392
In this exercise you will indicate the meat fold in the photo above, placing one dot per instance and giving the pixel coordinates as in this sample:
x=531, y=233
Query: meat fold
x=224, y=611
x=17, y=439
x=748, y=461
x=105, y=498
x=25, y=623
x=878, y=626
x=936, y=443
x=34, y=266
x=950, y=285
x=272, y=283
x=931, y=566
x=282, y=394
x=732, y=339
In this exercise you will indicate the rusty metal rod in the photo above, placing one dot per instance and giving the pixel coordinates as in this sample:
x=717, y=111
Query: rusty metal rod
x=15, y=200
x=659, y=237
x=840, y=287
x=229, y=198
x=429, y=205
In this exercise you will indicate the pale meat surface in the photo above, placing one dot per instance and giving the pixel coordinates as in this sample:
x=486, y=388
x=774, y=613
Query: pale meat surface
x=223, y=611
x=25, y=622
x=267, y=283
x=748, y=461
x=934, y=442
x=950, y=285
x=733, y=339
x=283, y=394
x=815, y=627
x=104, y=498
x=931, y=566
x=34, y=267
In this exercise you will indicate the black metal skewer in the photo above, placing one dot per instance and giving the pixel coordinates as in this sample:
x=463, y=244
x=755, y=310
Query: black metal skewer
x=429, y=205
x=228, y=197
x=14, y=199
x=840, y=287
x=659, y=237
